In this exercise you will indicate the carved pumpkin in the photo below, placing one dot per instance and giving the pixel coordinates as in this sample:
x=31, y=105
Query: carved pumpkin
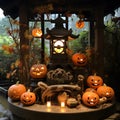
x=38, y=71
x=16, y=90
x=80, y=24
x=79, y=59
x=94, y=81
x=90, y=90
x=28, y=98
x=90, y=99
x=106, y=91
x=37, y=32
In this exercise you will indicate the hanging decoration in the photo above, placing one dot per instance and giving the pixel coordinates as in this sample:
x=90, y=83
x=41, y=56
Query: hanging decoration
x=80, y=24
x=37, y=32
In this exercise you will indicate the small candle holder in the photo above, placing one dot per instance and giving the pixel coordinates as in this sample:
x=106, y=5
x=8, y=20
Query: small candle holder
x=62, y=104
x=48, y=104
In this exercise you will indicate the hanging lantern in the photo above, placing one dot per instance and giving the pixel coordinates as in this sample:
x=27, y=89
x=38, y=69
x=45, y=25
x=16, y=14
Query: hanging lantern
x=37, y=32
x=80, y=24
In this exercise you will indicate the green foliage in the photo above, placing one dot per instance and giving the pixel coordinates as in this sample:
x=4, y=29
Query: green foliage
x=80, y=43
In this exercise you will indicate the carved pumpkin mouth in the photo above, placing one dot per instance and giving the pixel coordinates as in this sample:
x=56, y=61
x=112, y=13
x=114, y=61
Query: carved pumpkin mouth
x=91, y=102
x=27, y=101
x=80, y=62
x=95, y=84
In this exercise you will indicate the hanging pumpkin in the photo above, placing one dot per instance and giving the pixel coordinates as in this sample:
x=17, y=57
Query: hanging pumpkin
x=16, y=90
x=80, y=24
x=79, y=59
x=94, y=81
x=37, y=32
x=90, y=99
x=106, y=91
x=38, y=71
x=28, y=98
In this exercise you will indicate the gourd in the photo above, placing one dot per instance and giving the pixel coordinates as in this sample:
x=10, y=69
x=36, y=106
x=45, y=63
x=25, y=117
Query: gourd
x=16, y=90
x=37, y=32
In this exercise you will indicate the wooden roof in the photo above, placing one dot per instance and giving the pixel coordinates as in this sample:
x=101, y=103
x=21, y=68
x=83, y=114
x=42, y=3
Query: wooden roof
x=11, y=7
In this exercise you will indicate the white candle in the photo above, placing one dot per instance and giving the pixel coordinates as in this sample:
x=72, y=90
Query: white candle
x=62, y=104
x=48, y=104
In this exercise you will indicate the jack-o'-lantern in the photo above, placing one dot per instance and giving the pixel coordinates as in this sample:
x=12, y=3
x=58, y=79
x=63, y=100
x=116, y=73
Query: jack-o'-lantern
x=16, y=90
x=38, y=71
x=37, y=32
x=80, y=24
x=94, y=81
x=79, y=59
x=90, y=90
x=90, y=99
x=28, y=98
x=106, y=91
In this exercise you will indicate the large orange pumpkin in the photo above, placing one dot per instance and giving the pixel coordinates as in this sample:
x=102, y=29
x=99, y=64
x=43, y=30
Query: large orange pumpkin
x=106, y=91
x=94, y=81
x=28, y=98
x=79, y=59
x=38, y=71
x=90, y=99
x=37, y=32
x=15, y=91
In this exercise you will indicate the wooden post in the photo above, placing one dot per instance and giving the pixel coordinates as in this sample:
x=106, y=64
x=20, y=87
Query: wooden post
x=24, y=44
x=99, y=41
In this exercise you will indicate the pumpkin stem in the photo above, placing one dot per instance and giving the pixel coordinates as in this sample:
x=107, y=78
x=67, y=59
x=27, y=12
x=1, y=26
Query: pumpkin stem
x=95, y=74
x=28, y=90
x=17, y=82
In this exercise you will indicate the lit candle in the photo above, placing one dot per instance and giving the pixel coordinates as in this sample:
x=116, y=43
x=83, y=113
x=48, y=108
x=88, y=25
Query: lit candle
x=48, y=104
x=62, y=104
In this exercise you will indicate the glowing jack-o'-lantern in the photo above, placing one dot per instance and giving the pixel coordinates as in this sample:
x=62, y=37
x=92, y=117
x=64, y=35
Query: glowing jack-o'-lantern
x=90, y=99
x=16, y=90
x=37, y=32
x=28, y=98
x=79, y=59
x=94, y=81
x=38, y=71
x=106, y=91
x=80, y=24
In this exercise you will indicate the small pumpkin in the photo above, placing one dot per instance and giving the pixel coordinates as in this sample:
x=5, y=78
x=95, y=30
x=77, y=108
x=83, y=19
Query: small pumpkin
x=90, y=90
x=106, y=91
x=90, y=99
x=79, y=59
x=28, y=98
x=80, y=24
x=16, y=90
x=38, y=71
x=94, y=81
x=37, y=32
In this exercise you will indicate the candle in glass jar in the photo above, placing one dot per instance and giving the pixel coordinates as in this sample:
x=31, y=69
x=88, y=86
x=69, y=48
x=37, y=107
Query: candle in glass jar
x=48, y=103
x=62, y=104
